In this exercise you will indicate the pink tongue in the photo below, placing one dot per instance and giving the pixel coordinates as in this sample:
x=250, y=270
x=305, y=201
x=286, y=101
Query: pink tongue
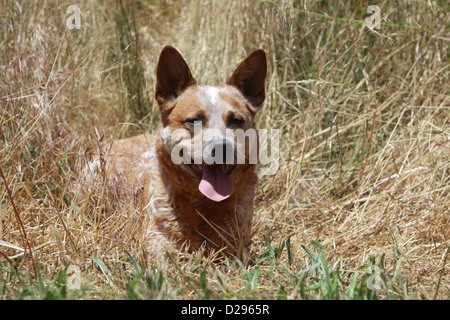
x=216, y=184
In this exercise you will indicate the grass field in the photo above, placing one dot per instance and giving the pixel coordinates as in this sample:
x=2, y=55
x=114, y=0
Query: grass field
x=360, y=205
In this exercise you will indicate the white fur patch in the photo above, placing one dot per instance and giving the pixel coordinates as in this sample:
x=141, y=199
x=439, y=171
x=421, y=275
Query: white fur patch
x=213, y=94
x=166, y=135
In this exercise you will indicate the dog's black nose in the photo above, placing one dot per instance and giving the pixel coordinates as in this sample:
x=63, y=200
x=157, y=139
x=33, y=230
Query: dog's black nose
x=220, y=150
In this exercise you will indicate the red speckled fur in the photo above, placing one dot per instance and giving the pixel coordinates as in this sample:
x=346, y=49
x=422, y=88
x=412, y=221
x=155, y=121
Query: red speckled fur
x=141, y=173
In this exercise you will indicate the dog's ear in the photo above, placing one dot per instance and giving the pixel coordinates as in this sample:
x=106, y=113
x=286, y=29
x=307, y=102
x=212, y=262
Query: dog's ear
x=249, y=78
x=172, y=75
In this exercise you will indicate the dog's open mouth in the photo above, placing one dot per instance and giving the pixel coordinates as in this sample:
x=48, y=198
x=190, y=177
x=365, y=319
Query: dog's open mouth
x=216, y=183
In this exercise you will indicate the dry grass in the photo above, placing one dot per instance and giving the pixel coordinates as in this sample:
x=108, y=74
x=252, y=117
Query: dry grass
x=365, y=150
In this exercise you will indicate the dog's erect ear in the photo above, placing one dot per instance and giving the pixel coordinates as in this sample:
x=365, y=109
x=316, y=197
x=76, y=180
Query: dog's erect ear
x=172, y=75
x=249, y=77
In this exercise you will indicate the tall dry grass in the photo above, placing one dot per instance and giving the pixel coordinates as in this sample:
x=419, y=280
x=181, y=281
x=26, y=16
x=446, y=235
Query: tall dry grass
x=364, y=121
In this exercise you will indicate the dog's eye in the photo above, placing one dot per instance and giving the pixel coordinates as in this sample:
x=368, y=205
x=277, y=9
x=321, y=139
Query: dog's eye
x=237, y=122
x=194, y=121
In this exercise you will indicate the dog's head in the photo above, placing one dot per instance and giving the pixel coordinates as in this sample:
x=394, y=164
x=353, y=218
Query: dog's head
x=210, y=131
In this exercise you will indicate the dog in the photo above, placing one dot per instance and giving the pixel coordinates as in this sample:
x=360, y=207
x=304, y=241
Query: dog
x=189, y=199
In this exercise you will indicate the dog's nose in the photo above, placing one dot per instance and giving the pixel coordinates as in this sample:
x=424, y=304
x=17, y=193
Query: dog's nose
x=219, y=151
